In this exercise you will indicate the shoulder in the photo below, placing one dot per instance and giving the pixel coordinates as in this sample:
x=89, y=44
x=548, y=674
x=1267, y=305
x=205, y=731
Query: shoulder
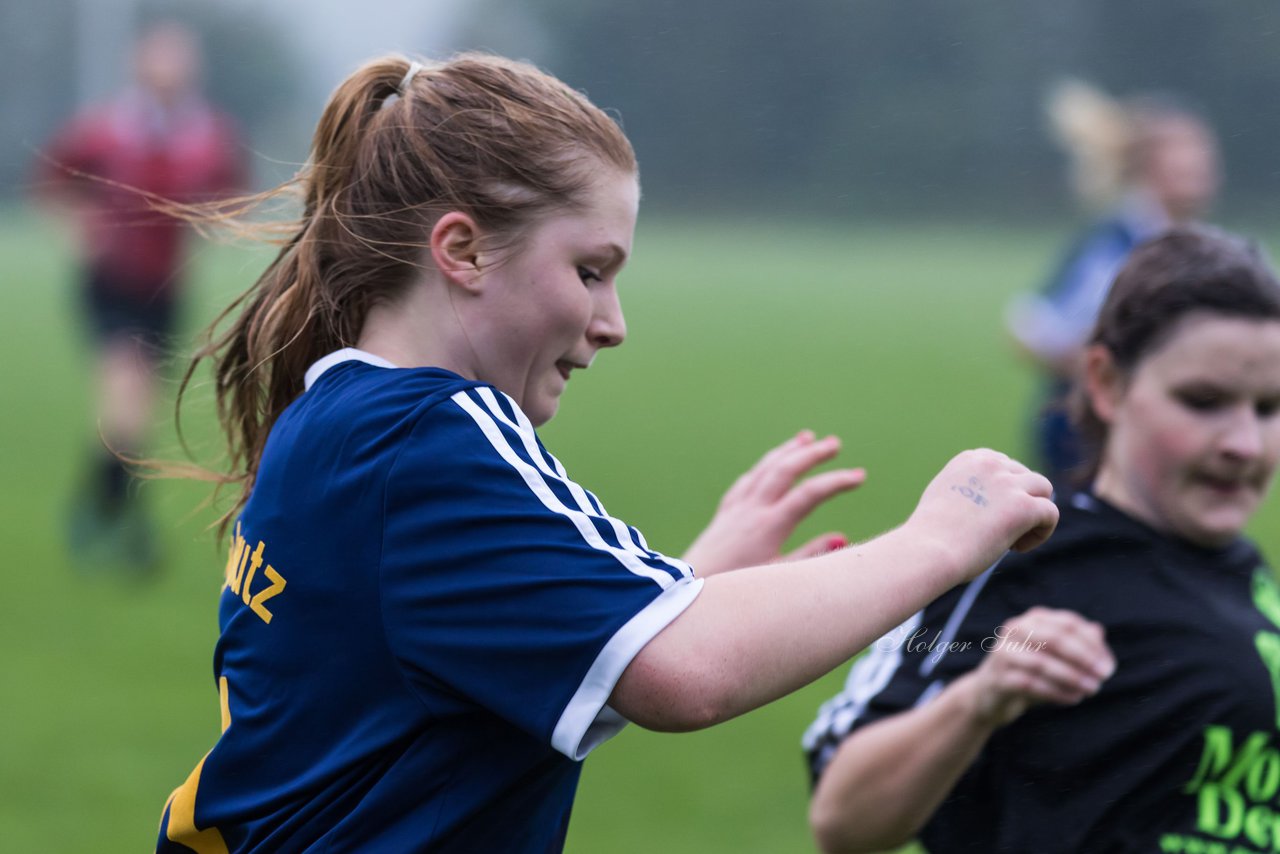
x=1104, y=241
x=376, y=385
x=1094, y=253
x=91, y=125
x=434, y=423
x=1091, y=538
x=1113, y=233
x=365, y=411
x=1087, y=523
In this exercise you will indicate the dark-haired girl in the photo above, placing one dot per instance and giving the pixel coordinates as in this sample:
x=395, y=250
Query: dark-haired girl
x=1116, y=690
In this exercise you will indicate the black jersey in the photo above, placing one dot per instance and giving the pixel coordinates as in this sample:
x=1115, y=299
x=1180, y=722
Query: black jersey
x=1177, y=753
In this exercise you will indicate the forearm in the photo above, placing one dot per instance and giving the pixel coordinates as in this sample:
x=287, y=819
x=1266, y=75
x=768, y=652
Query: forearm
x=757, y=634
x=887, y=779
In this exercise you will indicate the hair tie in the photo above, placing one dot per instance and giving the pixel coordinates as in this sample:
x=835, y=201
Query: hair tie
x=414, y=68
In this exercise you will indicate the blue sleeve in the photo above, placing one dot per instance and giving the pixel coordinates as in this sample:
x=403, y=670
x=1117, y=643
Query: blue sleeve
x=506, y=584
x=910, y=665
x=1059, y=318
x=1090, y=265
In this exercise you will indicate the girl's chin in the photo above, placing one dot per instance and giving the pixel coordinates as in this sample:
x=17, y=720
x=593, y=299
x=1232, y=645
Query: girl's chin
x=1216, y=529
x=542, y=411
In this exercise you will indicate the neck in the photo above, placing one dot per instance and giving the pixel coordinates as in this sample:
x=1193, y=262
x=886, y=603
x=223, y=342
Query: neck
x=1111, y=488
x=421, y=329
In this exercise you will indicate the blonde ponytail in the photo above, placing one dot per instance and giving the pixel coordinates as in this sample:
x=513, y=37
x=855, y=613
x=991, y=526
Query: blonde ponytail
x=1098, y=135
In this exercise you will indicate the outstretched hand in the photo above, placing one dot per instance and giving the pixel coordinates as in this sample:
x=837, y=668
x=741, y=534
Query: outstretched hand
x=763, y=507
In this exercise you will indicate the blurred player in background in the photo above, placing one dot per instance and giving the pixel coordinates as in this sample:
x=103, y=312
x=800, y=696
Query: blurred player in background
x=1116, y=690
x=427, y=624
x=1151, y=163
x=158, y=140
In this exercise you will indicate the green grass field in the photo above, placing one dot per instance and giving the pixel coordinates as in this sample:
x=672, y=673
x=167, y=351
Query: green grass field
x=739, y=336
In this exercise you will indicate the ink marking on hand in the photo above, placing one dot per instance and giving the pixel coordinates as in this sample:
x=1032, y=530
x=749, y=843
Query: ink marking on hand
x=973, y=492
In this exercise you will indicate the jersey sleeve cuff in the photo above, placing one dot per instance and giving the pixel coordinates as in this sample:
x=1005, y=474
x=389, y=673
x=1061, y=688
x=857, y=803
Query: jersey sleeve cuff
x=587, y=722
x=1040, y=327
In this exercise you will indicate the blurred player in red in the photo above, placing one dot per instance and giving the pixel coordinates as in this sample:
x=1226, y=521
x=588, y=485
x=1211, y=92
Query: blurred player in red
x=157, y=140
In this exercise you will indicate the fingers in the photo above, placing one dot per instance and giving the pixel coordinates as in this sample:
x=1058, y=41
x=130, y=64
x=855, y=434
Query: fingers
x=808, y=495
x=1076, y=640
x=1032, y=482
x=1042, y=513
x=804, y=437
x=1056, y=680
x=1045, y=514
x=763, y=507
x=820, y=545
x=778, y=473
x=1036, y=686
x=749, y=481
x=1047, y=655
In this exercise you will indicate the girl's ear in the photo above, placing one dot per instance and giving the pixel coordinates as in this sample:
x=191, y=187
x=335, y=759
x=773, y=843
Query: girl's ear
x=455, y=249
x=1103, y=382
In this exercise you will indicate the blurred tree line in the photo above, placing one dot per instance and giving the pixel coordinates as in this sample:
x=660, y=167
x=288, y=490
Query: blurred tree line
x=905, y=106
x=846, y=107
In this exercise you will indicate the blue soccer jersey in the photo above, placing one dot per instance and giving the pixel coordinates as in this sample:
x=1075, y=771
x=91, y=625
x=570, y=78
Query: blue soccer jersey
x=422, y=622
x=1057, y=321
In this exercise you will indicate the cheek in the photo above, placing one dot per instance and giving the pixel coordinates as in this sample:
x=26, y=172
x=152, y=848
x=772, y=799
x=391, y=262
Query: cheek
x=559, y=314
x=1164, y=446
x=573, y=312
x=1271, y=443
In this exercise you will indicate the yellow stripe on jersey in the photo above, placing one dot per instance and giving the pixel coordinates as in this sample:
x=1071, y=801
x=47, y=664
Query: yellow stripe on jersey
x=233, y=557
x=182, y=803
x=224, y=702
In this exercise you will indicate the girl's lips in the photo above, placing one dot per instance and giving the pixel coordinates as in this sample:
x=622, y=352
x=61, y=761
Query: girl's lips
x=1224, y=486
x=566, y=367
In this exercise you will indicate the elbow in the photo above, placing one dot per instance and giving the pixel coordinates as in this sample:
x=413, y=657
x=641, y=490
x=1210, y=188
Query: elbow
x=833, y=836
x=683, y=709
x=829, y=830
x=668, y=696
x=678, y=720
x=844, y=828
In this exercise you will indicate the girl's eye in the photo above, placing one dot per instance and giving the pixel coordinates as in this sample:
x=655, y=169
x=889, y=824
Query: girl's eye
x=588, y=276
x=1201, y=401
x=1268, y=407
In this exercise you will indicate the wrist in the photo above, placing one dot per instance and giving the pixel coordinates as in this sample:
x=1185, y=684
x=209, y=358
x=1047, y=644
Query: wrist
x=973, y=705
x=937, y=554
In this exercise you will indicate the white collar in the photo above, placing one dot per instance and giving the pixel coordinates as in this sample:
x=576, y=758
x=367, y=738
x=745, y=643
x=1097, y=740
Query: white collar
x=337, y=357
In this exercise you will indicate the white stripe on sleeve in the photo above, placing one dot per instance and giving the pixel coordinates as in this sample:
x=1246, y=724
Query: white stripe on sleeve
x=586, y=502
x=958, y=613
x=541, y=489
x=587, y=722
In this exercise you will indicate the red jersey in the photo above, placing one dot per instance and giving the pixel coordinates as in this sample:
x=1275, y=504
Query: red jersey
x=185, y=153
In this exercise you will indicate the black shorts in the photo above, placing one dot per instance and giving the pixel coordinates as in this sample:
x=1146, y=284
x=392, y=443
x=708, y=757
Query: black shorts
x=115, y=312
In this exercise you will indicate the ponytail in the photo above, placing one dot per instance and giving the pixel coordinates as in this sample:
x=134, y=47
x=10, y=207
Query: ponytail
x=1097, y=134
x=298, y=310
x=1109, y=141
